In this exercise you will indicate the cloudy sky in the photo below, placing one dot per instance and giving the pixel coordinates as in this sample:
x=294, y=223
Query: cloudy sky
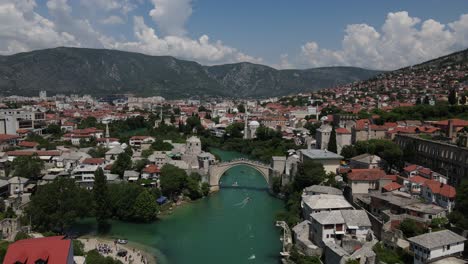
x=281, y=33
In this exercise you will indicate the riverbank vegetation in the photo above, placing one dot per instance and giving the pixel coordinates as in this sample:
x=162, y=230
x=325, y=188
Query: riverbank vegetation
x=309, y=173
x=57, y=206
x=268, y=143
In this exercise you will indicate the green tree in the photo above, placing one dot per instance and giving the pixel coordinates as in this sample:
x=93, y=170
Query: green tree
x=452, y=97
x=205, y=188
x=276, y=185
x=78, y=248
x=27, y=166
x=98, y=152
x=21, y=235
x=3, y=249
x=57, y=205
x=123, y=163
x=145, y=207
x=309, y=173
x=235, y=130
x=348, y=151
x=139, y=165
x=193, y=186
x=172, y=180
x=122, y=197
x=332, y=147
x=426, y=100
x=88, y=122
x=55, y=130
x=129, y=151
x=265, y=133
x=101, y=200
x=411, y=228
x=160, y=145
x=241, y=108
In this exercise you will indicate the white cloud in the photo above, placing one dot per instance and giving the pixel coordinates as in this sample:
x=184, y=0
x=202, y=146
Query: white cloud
x=80, y=28
x=402, y=41
x=21, y=29
x=201, y=50
x=112, y=20
x=171, y=15
x=124, y=6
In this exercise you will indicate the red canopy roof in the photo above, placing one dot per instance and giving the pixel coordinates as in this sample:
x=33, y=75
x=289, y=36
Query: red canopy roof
x=54, y=250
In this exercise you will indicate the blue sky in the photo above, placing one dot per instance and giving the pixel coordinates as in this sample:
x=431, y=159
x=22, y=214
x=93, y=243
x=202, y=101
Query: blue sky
x=279, y=33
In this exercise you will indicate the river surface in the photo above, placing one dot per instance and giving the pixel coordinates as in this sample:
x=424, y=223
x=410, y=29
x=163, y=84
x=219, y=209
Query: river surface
x=234, y=226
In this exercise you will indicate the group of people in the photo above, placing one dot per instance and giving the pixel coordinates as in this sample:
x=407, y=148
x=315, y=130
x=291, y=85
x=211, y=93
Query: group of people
x=104, y=248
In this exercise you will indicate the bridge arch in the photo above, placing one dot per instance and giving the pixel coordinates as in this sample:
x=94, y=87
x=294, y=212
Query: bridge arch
x=217, y=171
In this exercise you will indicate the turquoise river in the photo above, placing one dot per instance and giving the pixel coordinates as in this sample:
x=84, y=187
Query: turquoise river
x=233, y=226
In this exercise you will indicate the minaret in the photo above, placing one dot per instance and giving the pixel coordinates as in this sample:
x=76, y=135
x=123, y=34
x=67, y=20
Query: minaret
x=107, y=134
x=246, y=125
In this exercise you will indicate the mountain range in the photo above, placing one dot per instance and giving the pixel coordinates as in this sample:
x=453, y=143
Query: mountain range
x=101, y=72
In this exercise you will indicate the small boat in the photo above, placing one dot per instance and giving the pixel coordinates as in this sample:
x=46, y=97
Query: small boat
x=235, y=184
x=252, y=257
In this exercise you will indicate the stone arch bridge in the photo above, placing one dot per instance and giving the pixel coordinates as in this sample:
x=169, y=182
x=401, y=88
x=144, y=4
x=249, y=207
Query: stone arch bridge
x=216, y=171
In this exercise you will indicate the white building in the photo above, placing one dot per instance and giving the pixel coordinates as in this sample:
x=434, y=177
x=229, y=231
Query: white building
x=329, y=160
x=13, y=119
x=323, y=202
x=335, y=225
x=436, y=245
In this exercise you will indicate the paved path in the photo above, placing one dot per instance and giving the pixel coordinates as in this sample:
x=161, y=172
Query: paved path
x=134, y=255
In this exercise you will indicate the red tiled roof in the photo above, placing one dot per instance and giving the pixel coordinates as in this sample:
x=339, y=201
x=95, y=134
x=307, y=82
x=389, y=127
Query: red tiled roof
x=22, y=131
x=342, y=130
x=440, y=188
x=392, y=186
x=151, y=169
x=28, y=144
x=32, y=152
x=6, y=137
x=366, y=174
x=455, y=122
x=418, y=179
x=425, y=171
x=390, y=177
x=50, y=249
x=93, y=161
x=411, y=168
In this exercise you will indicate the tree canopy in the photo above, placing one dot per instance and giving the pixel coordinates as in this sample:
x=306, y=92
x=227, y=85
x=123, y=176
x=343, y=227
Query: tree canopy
x=101, y=200
x=172, y=180
x=123, y=162
x=332, y=142
x=56, y=206
x=27, y=166
x=145, y=207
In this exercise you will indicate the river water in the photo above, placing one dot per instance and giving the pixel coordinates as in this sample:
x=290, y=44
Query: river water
x=234, y=226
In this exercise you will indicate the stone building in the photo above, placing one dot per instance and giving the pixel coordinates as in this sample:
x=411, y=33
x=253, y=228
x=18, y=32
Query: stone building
x=448, y=159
